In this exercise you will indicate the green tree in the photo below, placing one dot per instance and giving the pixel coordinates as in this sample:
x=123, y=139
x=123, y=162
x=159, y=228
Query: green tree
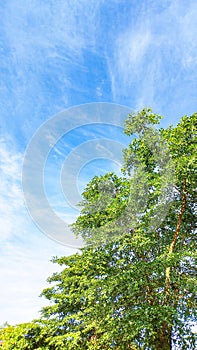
x=133, y=285
x=26, y=336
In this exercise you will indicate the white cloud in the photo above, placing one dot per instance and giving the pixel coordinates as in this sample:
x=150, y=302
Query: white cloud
x=24, y=251
x=62, y=29
x=188, y=32
x=11, y=200
x=43, y=50
x=131, y=49
x=24, y=270
x=153, y=62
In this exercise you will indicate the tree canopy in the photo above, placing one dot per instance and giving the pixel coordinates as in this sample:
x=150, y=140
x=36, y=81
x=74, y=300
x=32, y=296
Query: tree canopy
x=133, y=285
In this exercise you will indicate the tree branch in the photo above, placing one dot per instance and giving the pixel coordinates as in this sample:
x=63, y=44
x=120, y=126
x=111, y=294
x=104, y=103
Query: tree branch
x=172, y=246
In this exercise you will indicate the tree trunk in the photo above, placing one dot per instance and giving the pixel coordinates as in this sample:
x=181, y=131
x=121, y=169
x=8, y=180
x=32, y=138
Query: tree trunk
x=164, y=340
x=165, y=345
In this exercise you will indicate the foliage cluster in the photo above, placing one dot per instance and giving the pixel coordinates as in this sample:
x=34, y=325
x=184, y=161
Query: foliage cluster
x=133, y=285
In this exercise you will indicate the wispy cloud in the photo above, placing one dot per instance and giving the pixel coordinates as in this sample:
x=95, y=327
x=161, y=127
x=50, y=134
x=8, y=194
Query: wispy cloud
x=154, y=59
x=24, y=252
x=24, y=270
x=43, y=54
x=132, y=47
x=11, y=200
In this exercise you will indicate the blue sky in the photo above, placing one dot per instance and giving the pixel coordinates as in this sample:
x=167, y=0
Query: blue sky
x=56, y=55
